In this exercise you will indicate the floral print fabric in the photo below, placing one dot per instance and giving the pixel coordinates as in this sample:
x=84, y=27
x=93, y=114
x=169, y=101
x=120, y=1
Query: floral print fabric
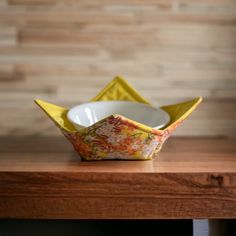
x=117, y=138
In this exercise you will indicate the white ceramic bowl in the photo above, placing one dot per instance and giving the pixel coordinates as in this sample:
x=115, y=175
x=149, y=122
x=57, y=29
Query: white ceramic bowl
x=89, y=113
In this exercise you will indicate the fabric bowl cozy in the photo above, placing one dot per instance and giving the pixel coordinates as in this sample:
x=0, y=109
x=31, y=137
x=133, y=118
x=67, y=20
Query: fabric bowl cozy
x=117, y=137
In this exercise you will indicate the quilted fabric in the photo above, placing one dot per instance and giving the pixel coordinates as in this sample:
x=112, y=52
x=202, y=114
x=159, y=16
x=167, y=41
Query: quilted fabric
x=117, y=137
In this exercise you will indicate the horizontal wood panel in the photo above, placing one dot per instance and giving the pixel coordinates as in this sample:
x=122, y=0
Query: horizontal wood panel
x=66, y=51
x=124, y=208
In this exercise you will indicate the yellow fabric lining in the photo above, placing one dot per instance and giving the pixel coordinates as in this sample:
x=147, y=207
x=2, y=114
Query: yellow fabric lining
x=181, y=110
x=57, y=114
x=119, y=89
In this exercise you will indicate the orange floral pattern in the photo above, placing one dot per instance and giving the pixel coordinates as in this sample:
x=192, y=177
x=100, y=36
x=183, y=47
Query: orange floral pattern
x=117, y=138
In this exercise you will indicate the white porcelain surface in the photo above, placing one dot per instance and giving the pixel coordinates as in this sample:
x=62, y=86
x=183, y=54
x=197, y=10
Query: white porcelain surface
x=89, y=113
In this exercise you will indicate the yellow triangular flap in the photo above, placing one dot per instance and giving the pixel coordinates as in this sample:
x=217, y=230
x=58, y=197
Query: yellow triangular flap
x=119, y=89
x=181, y=111
x=57, y=114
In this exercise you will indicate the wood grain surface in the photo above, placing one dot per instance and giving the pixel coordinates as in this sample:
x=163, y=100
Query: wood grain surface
x=42, y=178
x=66, y=51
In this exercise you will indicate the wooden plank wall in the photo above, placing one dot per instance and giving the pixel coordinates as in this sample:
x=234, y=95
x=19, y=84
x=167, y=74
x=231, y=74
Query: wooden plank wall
x=65, y=51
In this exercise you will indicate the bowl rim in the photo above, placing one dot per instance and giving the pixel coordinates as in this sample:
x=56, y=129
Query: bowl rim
x=167, y=116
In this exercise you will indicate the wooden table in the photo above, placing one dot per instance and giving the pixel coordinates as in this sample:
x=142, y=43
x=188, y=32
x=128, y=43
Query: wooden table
x=43, y=178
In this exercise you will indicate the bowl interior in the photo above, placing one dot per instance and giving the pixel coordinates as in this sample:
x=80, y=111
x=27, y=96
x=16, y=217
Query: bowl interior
x=89, y=113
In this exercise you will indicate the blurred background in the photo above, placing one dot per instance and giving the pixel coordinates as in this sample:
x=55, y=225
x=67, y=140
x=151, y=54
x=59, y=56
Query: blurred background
x=66, y=51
